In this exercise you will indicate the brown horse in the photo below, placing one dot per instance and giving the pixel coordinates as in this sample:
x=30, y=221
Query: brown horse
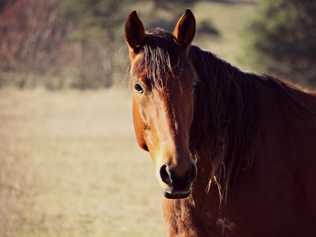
x=235, y=152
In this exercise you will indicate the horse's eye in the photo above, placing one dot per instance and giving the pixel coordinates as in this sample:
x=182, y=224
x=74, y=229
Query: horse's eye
x=138, y=88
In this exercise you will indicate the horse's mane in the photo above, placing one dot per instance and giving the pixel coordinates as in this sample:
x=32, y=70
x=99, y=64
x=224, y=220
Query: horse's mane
x=226, y=112
x=226, y=103
x=224, y=115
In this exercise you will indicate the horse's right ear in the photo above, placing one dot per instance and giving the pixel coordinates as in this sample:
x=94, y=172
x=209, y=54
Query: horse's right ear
x=184, y=30
x=134, y=32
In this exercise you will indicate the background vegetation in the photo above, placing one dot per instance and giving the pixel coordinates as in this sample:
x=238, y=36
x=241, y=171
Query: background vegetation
x=282, y=39
x=69, y=165
x=79, y=43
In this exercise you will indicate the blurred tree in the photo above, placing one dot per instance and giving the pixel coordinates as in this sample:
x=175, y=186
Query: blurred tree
x=170, y=4
x=3, y=3
x=78, y=43
x=284, y=39
x=205, y=27
x=98, y=30
x=29, y=33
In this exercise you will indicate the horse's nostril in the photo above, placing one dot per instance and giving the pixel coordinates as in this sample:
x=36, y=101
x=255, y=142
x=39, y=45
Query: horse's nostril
x=169, y=176
x=165, y=174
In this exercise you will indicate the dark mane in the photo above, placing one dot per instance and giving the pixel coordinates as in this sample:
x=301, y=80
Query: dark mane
x=226, y=112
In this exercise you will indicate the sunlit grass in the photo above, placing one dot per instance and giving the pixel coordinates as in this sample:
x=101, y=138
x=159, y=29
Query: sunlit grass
x=88, y=178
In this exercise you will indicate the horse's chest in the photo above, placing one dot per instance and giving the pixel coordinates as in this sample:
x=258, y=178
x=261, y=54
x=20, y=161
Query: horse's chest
x=185, y=218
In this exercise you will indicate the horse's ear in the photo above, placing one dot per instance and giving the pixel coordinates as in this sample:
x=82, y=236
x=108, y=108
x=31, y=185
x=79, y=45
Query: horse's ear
x=134, y=32
x=184, y=30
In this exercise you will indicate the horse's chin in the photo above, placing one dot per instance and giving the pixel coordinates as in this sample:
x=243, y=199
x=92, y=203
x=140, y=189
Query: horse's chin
x=177, y=194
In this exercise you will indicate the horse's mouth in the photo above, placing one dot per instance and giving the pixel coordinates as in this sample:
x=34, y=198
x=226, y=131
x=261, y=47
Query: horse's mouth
x=177, y=194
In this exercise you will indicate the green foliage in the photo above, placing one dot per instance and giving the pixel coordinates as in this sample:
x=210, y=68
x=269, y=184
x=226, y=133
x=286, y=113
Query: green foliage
x=97, y=27
x=89, y=50
x=284, y=39
x=206, y=27
x=97, y=30
x=103, y=15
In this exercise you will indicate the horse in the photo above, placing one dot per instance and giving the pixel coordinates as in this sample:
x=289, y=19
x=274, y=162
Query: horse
x=234, y=152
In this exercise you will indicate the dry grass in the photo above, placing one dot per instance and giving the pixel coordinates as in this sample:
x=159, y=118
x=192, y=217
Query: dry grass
x=70, y=167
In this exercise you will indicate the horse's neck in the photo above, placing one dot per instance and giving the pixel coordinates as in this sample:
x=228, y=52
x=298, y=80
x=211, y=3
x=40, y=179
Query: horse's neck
x=282, y=100
x=224, y=117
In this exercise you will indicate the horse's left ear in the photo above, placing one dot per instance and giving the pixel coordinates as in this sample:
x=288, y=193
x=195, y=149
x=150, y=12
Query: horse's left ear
x=184, y=30
x=134, y=32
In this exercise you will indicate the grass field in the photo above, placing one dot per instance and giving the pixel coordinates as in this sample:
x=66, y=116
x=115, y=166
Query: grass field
x=73, y=168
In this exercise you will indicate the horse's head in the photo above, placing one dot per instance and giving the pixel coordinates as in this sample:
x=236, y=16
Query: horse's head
x=162, y=82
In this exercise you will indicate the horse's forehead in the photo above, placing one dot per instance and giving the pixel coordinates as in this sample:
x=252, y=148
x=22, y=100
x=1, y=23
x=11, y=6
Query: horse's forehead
x=168, y=77
x=140, y=69
x=138, y=65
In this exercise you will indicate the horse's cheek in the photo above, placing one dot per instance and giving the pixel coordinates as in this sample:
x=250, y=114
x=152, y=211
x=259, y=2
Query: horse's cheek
x=139, y=128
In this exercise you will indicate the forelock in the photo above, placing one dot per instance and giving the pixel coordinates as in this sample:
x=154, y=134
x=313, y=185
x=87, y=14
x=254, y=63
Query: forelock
x=161, y=58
